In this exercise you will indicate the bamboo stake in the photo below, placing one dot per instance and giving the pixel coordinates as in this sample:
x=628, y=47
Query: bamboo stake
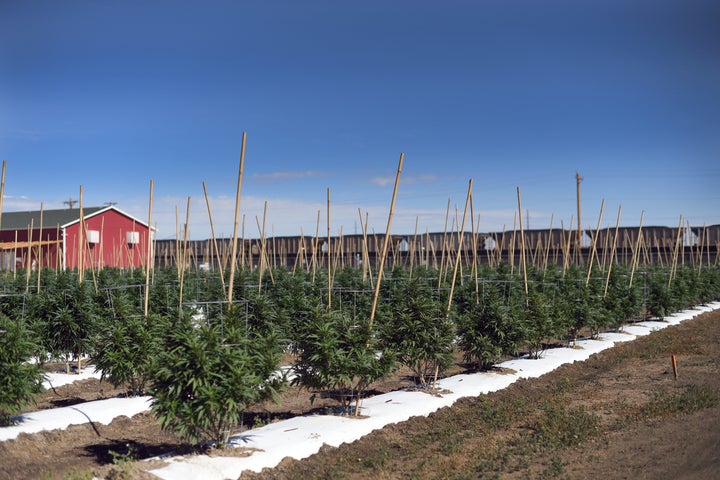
x=444, y=244
x=177, y=241
x=242, y=247
x=675, y=254
x=367, y=268
x=40, y=255
x=184, y=256
x=150, y=250
x=385, y=245
x=81, y=254
x=549, y=241
x=15, y=256
x=329, y=250
x=316, y=244
x=101, y=257
x=459, y=251
x=301, y=254
x=612, y=251
x=522, y=245
x=28, y=259
x=475, y=266
x=412, y=246
x=214, y=238
x=57, y=249
x=594, y=243
x=636, y=254
x=237, y=215
x=512, y=245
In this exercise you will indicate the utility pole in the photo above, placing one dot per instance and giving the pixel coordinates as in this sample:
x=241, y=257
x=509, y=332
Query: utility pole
x=578, y=179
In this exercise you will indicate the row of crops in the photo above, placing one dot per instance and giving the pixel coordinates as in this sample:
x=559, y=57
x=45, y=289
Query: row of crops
x=204, y=360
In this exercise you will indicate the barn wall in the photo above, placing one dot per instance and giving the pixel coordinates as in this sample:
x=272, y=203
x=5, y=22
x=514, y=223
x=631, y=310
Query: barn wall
x=112, y=250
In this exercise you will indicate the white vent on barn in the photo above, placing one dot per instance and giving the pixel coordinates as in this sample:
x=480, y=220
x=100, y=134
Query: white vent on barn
x=490, y=243
x=93, y=236
x=133, y=238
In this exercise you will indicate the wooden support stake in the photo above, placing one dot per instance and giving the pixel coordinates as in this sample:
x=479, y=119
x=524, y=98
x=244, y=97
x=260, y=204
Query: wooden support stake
x=594, y=244
x=237, y=216
x=329, y=250
x=184, y=256
x=674, y=365
x=612, y=251
x=385, y=246
x=522, y=246
x=150, y=254
x=216, y=253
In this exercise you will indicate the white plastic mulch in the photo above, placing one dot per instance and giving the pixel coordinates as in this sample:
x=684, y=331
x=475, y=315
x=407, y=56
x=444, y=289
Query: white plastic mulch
x=303, y=436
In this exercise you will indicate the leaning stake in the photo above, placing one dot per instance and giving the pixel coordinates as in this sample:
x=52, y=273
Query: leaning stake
x=237, y=215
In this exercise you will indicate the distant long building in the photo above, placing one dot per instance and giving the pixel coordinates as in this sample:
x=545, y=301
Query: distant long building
x=649, y=245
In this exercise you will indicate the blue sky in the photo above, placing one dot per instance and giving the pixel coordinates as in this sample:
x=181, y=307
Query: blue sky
x=110, y=95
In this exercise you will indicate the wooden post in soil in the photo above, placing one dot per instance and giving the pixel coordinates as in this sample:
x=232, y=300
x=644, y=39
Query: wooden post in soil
x=150, y=251
x=700, y=250
x=593, y=253
x=412, y=247
x=14, y=267
x=444, y=245
x=316, y=244
x=382, y=264
x=367, y=268
x=636, y=256
x=329, y=255
x=383, y=255
x=473, y=233
x=216, y=251
x=612, y=251
x=456, y=267
x=459, y=251
x=184, y=256
x=81, y=253
x=547, y=247
x=475, y=262
x=511, y=253
x=522, y=246
x=28, y=258
x=243, y=249
x=567, y=253
x=58, y=250
x=428, y=248
x=81, y=256
x=177, y=241
x=40, y=252
x=264, y=261
x=233, y=257
x=675, y=254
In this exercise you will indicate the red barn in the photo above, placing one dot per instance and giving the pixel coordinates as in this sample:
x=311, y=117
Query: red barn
x=50, y=239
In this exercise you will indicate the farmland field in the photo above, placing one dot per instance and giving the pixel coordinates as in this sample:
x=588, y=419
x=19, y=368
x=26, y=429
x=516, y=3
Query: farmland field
x=620, y=414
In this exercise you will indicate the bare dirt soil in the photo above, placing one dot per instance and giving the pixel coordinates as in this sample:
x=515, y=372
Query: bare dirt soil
x=619, y=415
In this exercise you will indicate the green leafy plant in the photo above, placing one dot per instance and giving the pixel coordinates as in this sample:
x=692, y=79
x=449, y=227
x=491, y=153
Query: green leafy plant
x=339, y=355
x=485, y=328
x=20, y=381
x=206, y=376
x=127, y=345
x=419, y=331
